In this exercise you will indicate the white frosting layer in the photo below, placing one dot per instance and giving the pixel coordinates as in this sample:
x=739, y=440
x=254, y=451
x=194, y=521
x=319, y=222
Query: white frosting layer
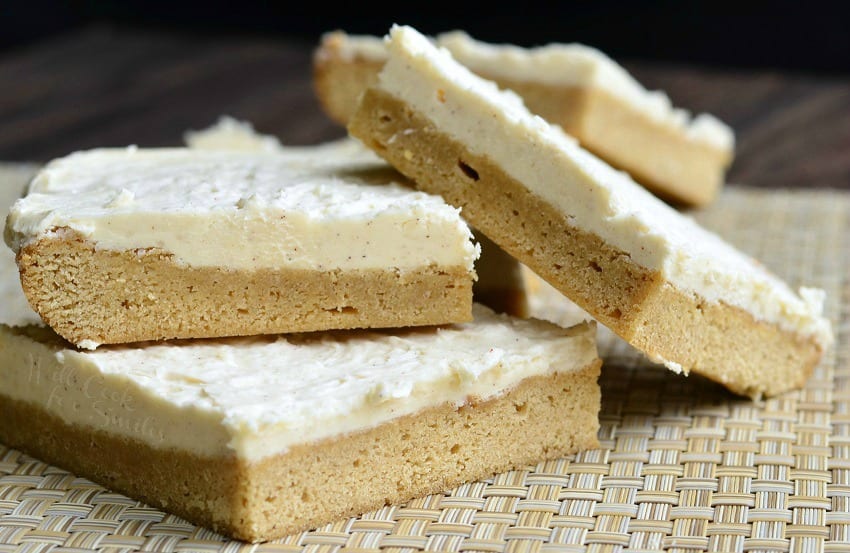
x=589, y=193
x=257, y=397
x=231, y=134
x=580, y=65
x=325, y=207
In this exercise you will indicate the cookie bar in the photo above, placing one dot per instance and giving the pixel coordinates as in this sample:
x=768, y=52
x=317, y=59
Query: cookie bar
x=673, y=290
x=126, y=245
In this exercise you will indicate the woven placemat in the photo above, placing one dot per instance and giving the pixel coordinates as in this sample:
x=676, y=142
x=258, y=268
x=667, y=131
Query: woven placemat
x=684, y=465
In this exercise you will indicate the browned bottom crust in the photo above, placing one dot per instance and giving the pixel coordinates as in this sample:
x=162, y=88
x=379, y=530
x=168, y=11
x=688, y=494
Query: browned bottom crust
x=671, y=166
x=110, y=297
x=544, y=417
x=723, y=343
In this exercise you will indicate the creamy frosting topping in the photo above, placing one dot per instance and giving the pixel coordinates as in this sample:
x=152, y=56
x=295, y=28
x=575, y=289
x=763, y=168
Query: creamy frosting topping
x=325, y=207
x=259, y=396
x=590, y=193
x=235, y=135
x=231, y=134
x=580, y=65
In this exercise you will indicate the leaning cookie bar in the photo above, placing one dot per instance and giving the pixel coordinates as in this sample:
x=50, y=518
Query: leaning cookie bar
x=653, y=276
x=126, y=245
x=681, y=158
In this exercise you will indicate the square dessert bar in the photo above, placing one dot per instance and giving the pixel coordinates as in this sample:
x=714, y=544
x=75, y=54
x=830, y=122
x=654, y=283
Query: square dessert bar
x=265, y=436
x=262, y=437
x=679, y=157
x=127, y=245
x=675, y=291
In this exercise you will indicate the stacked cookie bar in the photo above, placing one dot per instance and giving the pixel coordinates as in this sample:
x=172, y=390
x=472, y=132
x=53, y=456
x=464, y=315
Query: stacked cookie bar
x=192, y=337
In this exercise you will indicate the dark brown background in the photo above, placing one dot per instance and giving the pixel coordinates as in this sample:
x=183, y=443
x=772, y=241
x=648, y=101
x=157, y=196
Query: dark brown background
x=115, y=74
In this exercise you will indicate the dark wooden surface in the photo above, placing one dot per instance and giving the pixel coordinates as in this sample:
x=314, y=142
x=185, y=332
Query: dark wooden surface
x=111, y=87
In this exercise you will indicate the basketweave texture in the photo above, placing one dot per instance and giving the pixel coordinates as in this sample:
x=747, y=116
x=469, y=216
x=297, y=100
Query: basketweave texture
x=684, y=465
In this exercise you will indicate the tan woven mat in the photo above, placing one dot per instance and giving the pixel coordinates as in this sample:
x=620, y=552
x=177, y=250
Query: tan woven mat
x=684, y=465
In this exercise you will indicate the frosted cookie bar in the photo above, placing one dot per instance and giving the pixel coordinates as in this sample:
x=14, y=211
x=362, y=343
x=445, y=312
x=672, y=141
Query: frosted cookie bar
x=670, y=288
x=262, y=437
x=265, y=436
x=679, y=157
x=125, y=245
